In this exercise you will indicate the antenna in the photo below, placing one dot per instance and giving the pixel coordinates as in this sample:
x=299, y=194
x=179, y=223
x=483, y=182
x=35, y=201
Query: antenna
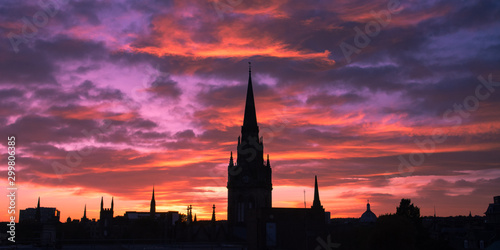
x=304, y=198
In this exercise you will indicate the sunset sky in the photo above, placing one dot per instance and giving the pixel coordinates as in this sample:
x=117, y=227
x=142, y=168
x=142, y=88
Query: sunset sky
x=381, y=99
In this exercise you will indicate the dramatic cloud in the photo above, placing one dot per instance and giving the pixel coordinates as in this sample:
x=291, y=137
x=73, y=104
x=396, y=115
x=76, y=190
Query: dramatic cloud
x=382, y=100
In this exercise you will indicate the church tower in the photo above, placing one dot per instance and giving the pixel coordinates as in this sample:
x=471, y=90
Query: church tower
x=106, y=218
x=249, y=179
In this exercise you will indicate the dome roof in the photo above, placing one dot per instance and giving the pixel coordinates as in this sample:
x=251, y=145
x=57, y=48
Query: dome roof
x=368, y=216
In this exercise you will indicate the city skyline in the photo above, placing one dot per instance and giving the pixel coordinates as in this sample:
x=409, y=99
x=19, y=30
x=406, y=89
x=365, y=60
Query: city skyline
x=109, y=100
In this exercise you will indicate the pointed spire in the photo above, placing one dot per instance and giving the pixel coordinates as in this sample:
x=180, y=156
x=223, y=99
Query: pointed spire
x=213, y=213
x=316, y=201
x=250, y=118
x=85, y=212
x=268, y=164
x=38, y=214
x=152, y=206
x=195, y=219
x=231, y=162
x=102, y=203
x=112, y=203
x=190, y=213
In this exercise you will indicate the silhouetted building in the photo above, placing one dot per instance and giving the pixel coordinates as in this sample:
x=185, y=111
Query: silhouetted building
x=39, y=214
x=249, y=210
x=171, y=216
x=249, y=180
x=39, y=225
x=287, y=228
x=493, y=211
x=106, y=218
x=368, y=216
x=84, y=218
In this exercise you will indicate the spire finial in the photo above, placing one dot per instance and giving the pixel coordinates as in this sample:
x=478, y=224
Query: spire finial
x=250, y=67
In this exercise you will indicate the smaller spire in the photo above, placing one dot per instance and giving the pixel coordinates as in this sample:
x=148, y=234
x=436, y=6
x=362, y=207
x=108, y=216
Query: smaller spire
x=189, y=213
x=316, y=201
x=85, y=212
x=213, y=213
x=368, y=206
x=38, y=214
x=102, y=203
x=231, y=162
x=152, y=206
x=268, y=164
x=195, y=219
x=112, y=203
x=249, y=67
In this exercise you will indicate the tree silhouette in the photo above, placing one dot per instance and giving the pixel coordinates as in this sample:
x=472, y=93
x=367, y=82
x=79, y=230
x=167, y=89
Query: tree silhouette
x=408, y=210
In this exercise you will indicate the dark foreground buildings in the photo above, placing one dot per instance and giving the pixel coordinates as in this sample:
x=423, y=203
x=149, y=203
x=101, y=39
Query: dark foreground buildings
x=252, y=222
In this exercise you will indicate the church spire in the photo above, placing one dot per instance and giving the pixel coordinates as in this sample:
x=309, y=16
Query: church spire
x=231, y=162
x=316, y=202
x=38, y=214
x=84, y=218
x=250, y=118
x=152, y=207
x=213, y=213
x=112, y=198
x=102, y=203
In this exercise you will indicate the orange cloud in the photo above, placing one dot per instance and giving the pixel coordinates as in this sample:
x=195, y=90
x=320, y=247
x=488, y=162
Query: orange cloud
x=229, y=40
